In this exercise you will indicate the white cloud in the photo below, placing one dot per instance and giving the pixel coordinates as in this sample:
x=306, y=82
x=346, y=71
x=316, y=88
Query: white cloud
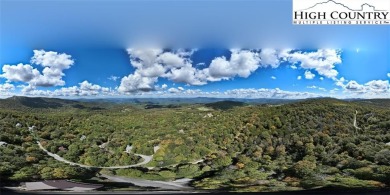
x=174, y=90
x=171, y=60
x=269, y=57
x=293, y=66
x=312, y=87
x=175, y=65
x=141, y=57
x=333, y=91
x=52, y=59
x=321, y=88
x=164, y=86
x=135, y=82
x=374, y=88
x=354, y=86
x=220, y=69
x=321, y=78
x=273, y=77
x=388, y=74
x=242, y=63
x=309, y=75
x=299, y=77
x=268, y=93
x=6, y=88
x=150, y=64
x=113, y=78
x=340, y=82
x=378, y=86
x=84, y=88
x=19, y=73
x=322, y=60
x=54, y=64
x=187, y=74
x=27, y=88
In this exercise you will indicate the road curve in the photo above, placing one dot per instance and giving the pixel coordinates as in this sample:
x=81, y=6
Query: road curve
x=146, y=158
x=354, y=120
x=174, y=185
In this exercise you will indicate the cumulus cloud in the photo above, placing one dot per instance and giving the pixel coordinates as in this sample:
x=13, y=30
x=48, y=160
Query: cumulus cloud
x=309, y=75
x=187, y=74
x=54, y=64
x=87, y=88
x=273, y=77
x=299, y=77
x=164, y=86
x=176, y=90
x=153, y=63
x=374, y=88
x=242, y=63
x=237, y=93
x=388, y=74
x=354, y=86
x=268, y=93
x=136, y=82
x=176, y=65
x=19, y=73
x=378, y=86
x=323, y=61
x=52, y=59
x=6, y=88
x=171, y=59
x=84, y=88
x=340, y=82
x=269, y=57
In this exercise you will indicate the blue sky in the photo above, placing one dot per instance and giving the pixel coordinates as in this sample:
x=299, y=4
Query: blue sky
x=185, y=49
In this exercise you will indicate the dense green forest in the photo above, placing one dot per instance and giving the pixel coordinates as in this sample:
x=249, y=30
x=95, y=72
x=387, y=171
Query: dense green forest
x=225, y=145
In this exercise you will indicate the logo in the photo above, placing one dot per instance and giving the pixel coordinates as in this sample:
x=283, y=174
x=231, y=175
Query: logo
x=342, y=12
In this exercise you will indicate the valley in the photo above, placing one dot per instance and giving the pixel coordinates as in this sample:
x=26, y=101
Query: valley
x=221, y=145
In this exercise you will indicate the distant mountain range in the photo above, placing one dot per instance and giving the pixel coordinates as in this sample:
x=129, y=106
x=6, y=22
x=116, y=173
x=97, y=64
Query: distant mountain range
x=197, y=100
x=21, y=102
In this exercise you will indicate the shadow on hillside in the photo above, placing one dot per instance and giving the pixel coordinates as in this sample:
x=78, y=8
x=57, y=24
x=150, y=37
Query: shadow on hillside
x=39, y=103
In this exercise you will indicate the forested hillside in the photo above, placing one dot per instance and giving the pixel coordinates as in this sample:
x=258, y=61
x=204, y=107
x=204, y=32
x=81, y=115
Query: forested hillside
x=223, y=145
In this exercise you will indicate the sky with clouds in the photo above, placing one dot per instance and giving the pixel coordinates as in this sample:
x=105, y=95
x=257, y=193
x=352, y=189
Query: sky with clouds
x=243, y=49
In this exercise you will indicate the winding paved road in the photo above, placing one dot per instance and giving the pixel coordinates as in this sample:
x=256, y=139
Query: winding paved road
x=180, y=184
x=354, y=121
x=174, y=185
x=146, y=158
